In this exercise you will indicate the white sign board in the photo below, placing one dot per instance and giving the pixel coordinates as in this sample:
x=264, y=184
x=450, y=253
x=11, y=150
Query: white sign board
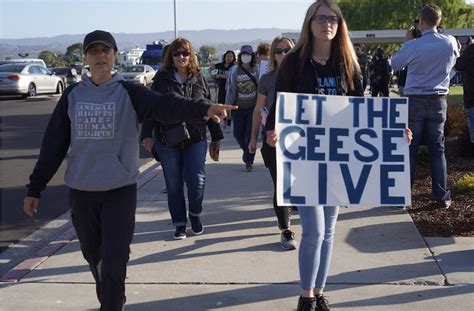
x=340, y=150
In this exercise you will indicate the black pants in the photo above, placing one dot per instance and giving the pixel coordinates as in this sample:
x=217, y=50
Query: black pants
x=269, y=158
x=104, y=223
x=380, y=88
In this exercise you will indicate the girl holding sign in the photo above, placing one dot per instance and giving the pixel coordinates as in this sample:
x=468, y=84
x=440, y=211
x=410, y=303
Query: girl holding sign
x=322, y=62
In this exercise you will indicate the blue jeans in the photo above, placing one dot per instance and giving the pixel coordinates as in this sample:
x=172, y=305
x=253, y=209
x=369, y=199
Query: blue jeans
x=179, y=166
x=470, y=122
x=319, y=225
x=427, y=116
x=242, y=119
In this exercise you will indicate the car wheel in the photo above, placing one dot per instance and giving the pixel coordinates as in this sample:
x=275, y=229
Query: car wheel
x=31, y=90
x=59, y=88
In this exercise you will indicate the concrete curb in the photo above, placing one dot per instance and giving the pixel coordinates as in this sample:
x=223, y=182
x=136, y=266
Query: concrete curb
x=42, y=97
x=147, y=172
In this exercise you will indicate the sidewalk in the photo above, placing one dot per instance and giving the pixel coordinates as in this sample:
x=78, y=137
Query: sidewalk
x=380, y=261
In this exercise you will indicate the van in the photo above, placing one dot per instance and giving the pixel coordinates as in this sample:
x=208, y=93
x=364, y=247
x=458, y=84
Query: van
x=36, y=61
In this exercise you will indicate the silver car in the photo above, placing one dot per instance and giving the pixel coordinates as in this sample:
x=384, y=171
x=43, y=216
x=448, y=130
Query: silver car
x=142, y=74
x=28, y=79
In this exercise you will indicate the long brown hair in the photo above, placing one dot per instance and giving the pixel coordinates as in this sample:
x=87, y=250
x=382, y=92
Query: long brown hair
x=276, y=41
x=341, y=43
x=176, y=45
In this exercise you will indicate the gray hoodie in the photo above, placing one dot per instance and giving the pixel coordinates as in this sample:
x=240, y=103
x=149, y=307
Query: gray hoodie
x=99, y=123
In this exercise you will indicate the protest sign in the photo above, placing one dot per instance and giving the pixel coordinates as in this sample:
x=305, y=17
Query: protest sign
x=340, y=150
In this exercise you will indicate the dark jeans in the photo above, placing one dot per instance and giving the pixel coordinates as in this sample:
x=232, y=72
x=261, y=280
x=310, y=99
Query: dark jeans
x=242, y=119
x=179, y=166
x=104, y=223
x=427, y=115
x=269, y=158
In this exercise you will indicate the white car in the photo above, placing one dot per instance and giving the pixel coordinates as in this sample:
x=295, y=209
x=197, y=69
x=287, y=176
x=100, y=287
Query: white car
x=28, y=79
x=142, y=74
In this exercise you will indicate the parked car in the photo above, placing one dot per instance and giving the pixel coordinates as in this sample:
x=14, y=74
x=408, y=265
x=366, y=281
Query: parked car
x=142, y=74
x=28, y=79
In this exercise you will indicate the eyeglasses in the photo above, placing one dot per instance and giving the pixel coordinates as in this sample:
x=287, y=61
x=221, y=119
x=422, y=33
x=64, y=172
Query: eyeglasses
x=181, y=53
x=322, y=19
x=281, y=51
x=97, y=51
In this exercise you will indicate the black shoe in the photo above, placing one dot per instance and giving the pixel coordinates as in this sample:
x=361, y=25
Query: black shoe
x=248, y=167
x=444, y=204
x=287, y=240
x=322, y=303
x=180, y=233
x=306, y=304
x=196, y=225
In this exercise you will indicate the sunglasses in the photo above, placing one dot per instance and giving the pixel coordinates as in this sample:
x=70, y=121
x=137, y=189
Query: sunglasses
x=323, y=19
x=181, y=53
x=281, y=51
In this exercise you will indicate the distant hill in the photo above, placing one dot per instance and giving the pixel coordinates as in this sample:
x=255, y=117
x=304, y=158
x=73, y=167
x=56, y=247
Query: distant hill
x=220, y=39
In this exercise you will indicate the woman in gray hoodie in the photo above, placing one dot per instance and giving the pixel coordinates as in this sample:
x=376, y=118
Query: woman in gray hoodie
x=97, y=121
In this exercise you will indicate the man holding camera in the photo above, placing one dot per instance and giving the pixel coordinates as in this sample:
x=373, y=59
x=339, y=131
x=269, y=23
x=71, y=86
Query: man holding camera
x=430, y=59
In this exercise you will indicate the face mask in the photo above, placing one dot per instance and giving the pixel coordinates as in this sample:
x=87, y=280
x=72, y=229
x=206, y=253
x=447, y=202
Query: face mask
x=246, y=58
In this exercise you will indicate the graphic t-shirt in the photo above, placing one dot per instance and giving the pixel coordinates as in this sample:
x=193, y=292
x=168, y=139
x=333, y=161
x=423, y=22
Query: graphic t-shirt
x=246, y=89
x=327, y=79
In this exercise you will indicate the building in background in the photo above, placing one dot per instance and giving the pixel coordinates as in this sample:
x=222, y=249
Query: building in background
x=130, y=58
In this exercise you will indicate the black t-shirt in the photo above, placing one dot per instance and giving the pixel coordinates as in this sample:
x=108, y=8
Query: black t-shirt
x=327, y=79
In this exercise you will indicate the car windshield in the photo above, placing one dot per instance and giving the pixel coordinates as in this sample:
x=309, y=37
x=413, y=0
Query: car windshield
x=134, y=69
x=11, y=68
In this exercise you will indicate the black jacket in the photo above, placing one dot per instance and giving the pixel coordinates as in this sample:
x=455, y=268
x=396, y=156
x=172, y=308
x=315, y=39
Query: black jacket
x=196, y=88
x=379, y=71
x=465, y=63
x=293, y=78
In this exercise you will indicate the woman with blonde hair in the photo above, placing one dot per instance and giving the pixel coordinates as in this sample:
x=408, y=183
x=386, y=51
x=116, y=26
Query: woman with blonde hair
x=323, y=61
x=265, y=99
x=183, y=161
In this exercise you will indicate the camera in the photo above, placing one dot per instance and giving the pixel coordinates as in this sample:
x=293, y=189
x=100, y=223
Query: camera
x=416, y=32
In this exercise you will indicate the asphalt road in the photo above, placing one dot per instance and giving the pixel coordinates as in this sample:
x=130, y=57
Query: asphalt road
x=23, y=123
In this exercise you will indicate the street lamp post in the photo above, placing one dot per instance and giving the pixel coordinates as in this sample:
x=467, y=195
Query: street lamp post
x=175, y=28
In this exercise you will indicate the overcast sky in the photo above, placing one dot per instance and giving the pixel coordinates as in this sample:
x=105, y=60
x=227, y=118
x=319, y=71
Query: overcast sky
x=47, y=18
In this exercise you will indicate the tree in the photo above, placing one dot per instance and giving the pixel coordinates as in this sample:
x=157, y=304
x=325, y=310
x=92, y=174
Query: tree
x=74, y=53
x=207, y=54
x=400, y=14
x=396, y=14
x=52, y=59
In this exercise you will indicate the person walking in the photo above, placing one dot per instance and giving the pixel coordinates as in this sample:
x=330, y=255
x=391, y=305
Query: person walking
x=265, y=99
x=430, y=59
x=97, y=120
x=322, y=62
x=242, y=92
x=184, y=161
x=465, y=64
x=220, y=72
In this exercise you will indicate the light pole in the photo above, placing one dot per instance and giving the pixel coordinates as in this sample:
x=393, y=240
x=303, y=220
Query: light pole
x=175, y=28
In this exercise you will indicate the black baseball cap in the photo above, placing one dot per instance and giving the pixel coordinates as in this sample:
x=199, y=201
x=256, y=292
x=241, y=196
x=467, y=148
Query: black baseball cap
x=99, y=36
